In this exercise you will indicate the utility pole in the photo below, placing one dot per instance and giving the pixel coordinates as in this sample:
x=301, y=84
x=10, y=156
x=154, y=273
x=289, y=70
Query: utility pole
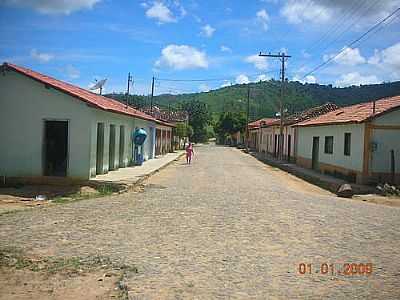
x=152, y=95
x=247, y=117
x=282, y=56
x=130, y=80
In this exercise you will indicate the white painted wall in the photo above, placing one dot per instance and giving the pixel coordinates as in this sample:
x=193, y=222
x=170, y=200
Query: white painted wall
x=353, y=162
x=386, y=140
x=130, y=124
x=24, y=105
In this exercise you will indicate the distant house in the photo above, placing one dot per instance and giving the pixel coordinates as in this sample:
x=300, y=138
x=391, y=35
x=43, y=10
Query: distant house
x=360, y=142
x=255, y=137
x=52, y=128
x=270, y=131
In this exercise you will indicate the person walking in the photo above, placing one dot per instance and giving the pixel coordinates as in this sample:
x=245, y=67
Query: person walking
x=189, y=153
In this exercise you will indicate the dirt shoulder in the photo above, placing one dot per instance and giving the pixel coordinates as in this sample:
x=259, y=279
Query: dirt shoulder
x=27, y=277
x=297, y=184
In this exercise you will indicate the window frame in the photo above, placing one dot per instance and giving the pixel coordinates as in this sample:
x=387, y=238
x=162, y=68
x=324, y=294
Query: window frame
x=347, y=144
x=327, y=149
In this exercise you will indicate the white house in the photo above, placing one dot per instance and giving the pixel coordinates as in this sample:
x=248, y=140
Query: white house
x=270, y=131
x=52, y=128
x=360, y=142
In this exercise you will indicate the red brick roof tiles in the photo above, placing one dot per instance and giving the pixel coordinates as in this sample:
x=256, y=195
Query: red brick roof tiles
x=356, y=113
x=90, y=98
x=308, y=114
x=261, y=122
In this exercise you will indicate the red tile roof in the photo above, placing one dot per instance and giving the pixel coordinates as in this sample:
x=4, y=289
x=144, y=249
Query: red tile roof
x=261, y=122
x=308, y=114
x=90, y=98
x=356, y=113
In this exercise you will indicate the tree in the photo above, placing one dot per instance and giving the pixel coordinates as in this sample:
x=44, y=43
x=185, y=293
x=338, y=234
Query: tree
x=199, y=118
x=228, y=124
x=183, y=131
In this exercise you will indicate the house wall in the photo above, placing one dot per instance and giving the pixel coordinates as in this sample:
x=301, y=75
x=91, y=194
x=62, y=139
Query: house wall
x=267, y=142
x=130, y=124
x=336, y=161
x=25, y=104
x=385, y=140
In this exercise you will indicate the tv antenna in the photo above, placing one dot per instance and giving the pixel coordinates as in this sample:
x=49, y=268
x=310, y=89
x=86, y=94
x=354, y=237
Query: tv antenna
x=99, y=85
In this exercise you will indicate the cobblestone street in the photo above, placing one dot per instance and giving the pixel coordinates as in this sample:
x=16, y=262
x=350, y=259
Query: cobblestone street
x=225, y=227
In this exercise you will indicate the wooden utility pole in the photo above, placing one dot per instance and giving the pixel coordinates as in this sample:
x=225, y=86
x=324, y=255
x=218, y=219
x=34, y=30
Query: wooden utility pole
x=130, y=80
x=247, y=117
x=282, y=56
x=152, y=95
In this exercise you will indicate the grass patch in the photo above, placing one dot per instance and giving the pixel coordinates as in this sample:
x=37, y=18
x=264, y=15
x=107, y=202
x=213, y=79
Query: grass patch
x=14, y=258
x=101, y=191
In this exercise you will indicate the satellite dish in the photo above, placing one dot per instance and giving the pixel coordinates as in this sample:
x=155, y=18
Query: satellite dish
x=99, y=85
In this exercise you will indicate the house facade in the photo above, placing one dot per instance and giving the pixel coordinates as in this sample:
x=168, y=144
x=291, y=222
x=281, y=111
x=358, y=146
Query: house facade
x=360, y=143
x=52, y=128
x=269, y=133
x=255, y=138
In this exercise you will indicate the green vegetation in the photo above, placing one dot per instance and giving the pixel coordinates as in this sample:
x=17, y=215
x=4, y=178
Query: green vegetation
x=199, y=119
x=265, y=95
x=183, y=130
x=13, y=257
x=229, y=123
x=101, y=191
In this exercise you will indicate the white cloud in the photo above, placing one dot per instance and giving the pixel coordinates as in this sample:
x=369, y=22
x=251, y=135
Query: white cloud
x=72, y=72
x=263, y=18
x=263, y=77
x=349, y=57
x=310, y=79
x=307, y=79
x=259, y=62
x=41, y=57
x=389, y=57
x=355, y=78
x=204, y=88
x=321, y=11
x=226, y=83
x=305, y=54
x=207, y=31
x=225, y=49
x=161, y=13
x=297, y=12
x=180, y=57
x=52, y=6
x=242, y=79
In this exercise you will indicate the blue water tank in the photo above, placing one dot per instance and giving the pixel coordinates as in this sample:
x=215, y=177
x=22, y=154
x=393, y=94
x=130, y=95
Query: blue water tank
x=139, y=136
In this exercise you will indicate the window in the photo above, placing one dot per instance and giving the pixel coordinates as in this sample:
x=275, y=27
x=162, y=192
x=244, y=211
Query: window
x=328, y=145
x=347, y=143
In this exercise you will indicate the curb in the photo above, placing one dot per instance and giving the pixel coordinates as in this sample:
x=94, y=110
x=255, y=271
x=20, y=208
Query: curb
x=147, y=176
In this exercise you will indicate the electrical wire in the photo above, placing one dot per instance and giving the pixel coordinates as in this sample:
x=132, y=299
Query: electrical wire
x=211, y=79
x=353, y=42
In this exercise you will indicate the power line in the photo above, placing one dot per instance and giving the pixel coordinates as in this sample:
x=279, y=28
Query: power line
x=333, y=29
x=352, y=11
x=212, y=79
x=353, y=42
x=348, y=27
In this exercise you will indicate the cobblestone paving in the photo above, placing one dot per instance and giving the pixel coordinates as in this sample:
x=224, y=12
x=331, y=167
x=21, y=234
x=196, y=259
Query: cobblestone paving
x=223, y=228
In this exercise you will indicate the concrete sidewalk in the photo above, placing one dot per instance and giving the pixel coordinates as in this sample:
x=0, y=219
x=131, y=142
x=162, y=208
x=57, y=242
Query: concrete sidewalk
x=325, y=181
x=132, y=175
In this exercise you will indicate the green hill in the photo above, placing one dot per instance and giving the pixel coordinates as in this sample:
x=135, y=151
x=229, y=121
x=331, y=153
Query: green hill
x=264, y=97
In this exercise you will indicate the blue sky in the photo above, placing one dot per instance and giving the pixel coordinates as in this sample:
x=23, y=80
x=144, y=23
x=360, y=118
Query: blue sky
x=80, y=40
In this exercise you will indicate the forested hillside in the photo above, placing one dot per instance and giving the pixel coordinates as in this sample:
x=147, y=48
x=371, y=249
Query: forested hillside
x=264, y=97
